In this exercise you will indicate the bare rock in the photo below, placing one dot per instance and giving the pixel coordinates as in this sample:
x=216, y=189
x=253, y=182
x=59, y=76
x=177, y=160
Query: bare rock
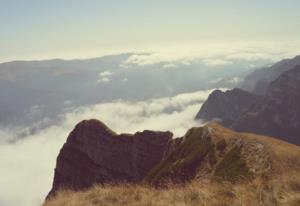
x=94, y=154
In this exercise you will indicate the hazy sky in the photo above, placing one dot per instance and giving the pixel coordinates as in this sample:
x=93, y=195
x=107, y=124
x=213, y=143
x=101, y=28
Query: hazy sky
x=80, y=28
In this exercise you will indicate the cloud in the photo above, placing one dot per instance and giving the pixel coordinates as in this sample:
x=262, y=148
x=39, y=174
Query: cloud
x=216, y=62
x=155, y=58
x=169, y=66
x=216, y=55
x=235, y=80
x=104, y=76
x=105, y=73
x=27, y=166
x=103, y=80
x=217, y=80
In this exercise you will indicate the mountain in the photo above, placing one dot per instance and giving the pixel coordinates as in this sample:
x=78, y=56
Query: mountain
x=49, y=87
x=276, y=114
x=218, y=103
x=210, y=164
x=259, y=80
x=94, y=154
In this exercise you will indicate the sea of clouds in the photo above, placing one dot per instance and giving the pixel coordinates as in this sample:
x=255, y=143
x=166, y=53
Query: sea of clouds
x=27, y=164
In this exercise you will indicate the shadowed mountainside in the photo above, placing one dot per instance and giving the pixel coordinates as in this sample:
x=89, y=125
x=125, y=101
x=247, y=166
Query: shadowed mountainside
x=276, y=114
x=259, y=80
x=226, y=106
x=219, y=166
x=93, y=154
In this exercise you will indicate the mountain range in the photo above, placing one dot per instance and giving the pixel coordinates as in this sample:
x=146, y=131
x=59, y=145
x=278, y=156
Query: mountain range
x=275, y=113
x=209, y=165
x=258, y=81
x=32, y=91
x=99, y=167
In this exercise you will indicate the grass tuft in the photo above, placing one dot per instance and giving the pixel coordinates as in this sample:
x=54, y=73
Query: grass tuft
x=232, y=168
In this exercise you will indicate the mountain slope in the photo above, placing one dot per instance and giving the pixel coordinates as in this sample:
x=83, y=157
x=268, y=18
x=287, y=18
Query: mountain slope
x=93, y=154
x=258, y=81
x=265, y=160
x=278, y=113
x=226, y=106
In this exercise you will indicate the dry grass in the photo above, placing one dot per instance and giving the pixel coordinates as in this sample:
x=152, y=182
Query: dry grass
x=279, y=187
x=284, y=156
x=278, y=192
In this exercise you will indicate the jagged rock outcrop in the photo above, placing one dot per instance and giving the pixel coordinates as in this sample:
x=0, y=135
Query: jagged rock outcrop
x=203, y=159
x=226, y=106
x=278, y=113
x=94, y=154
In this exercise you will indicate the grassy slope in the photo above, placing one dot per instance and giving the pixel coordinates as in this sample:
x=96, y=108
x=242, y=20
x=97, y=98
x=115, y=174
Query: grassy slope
x=197, y=150
x=182, y=163
x=283, y=192
x=282, y=187
x=284, y=156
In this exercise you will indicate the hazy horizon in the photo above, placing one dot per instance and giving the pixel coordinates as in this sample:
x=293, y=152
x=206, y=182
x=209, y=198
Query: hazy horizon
x=60, y=29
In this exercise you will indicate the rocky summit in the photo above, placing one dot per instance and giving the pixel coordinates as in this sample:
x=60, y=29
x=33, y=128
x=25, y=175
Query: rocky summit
x=226, y=106
x=94, y=154
x=217, y=163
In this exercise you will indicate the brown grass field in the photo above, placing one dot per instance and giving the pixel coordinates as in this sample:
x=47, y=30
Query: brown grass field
x=279, y=187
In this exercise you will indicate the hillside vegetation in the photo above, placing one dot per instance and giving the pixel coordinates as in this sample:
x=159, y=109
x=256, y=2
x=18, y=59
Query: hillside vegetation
x=209, y=166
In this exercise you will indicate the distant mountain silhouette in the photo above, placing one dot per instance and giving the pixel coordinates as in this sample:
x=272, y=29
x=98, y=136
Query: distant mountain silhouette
x=54, y=85
x=226, y=106
x=277, y=113
x=259, y=80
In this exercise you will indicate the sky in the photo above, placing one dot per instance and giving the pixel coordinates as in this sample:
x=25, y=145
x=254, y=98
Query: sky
x=35, y=29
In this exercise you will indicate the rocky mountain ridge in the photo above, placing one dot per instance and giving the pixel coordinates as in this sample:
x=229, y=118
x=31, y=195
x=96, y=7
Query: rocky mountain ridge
x=276, y=114
x=226, y=107
x=94, y=154
x=259, y=80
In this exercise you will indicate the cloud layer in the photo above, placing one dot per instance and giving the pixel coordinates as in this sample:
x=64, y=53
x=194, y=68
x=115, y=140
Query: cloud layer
x=27, y=166
x=216, y=55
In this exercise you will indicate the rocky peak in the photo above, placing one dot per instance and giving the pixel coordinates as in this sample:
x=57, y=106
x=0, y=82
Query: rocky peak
x=278, y=114
x=275, y=114
x=226, y=106
x=94, y=154
x=287, y=84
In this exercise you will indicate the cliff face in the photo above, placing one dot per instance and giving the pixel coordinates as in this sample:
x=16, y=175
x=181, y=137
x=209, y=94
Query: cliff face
x=93, y=154
x=278, y=113
x=275, y=114
x=266, y=170
x=226, y=106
